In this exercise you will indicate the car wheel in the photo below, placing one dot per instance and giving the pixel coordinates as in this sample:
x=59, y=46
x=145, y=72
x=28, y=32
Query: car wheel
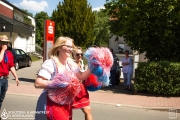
x=29, y=63
x=16, y=65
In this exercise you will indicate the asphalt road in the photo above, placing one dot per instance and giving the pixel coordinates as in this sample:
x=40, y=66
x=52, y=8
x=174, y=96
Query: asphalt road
x=26, y=104
x=24, y=107
x=27, y=75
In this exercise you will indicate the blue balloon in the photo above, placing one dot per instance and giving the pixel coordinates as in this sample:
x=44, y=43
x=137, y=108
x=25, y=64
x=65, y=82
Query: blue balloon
x=93, y=88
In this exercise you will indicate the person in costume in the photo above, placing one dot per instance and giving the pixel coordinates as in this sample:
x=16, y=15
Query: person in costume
x=59, y=76
x=82, y=99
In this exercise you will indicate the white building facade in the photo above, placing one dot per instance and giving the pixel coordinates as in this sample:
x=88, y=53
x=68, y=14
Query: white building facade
x=119, y=46
x=18, y=26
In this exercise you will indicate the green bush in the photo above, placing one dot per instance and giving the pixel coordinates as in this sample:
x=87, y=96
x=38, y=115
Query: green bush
x=158, y=77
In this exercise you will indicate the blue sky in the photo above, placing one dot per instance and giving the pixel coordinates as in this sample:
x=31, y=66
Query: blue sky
x=35, y=6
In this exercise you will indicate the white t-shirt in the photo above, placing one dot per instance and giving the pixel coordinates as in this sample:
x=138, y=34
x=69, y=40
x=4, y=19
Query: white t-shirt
x=127, y=68
x=48, y=68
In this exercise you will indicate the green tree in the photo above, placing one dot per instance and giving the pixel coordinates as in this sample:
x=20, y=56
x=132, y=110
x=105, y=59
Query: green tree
x=26, y=11
x=101, y=28
x=151, y=26
x=40, y=18
x=75, y=19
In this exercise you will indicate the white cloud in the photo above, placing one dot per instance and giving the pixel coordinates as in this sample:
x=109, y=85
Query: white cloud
x=97, y=8
x=33, y=5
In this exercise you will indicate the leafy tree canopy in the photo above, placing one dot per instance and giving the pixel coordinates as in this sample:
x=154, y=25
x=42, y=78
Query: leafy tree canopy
x=40, y=18
x=151, y=26
x=76, y=20
x=101, y=28
x=26, y=11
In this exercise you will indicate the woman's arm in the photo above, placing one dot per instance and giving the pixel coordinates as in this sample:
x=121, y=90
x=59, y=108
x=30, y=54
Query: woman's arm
x=44, y=74
x=41, y=82
x=125, y=63
x=83, y=75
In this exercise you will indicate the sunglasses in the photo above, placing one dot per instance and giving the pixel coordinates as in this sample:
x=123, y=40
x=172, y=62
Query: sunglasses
x=78, y=54
x=68, y=46
x=3, y=42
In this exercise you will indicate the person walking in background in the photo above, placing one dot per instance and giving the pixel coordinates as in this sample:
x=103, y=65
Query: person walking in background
x=82, y=99
x=6, y=65
x=58, y=96
x=127, y=70
x=77, y=55
x=113, y=68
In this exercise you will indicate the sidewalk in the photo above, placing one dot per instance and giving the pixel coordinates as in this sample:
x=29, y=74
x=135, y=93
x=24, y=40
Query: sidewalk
x=116, y=97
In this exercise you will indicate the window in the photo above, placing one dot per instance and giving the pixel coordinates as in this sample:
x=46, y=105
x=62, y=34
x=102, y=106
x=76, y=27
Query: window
x=22, y=52
x=121, y=48
x=17, y=52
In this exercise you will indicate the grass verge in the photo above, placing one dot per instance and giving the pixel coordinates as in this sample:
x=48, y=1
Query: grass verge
x=34, y=58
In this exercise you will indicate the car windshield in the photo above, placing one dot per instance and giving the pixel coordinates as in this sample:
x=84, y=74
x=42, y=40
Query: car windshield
x=17, y=52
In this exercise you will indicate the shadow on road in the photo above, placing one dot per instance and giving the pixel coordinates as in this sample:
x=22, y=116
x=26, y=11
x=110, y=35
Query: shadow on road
x=26, y=80
x=118, y=89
